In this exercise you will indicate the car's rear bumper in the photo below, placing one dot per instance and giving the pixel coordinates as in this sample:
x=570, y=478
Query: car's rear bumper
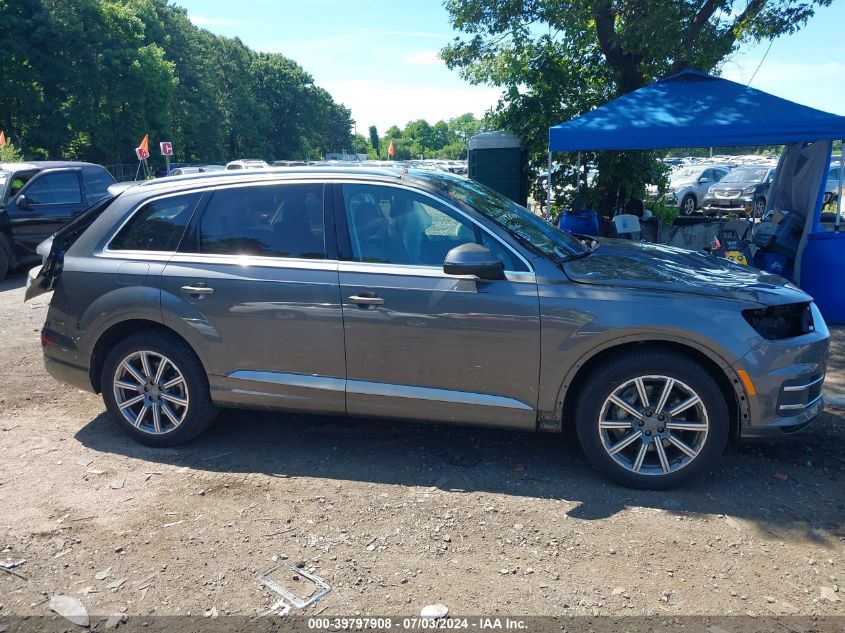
x=787, y=377
x=63, y=362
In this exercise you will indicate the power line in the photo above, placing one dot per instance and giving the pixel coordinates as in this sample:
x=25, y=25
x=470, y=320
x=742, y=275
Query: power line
x=771, y=41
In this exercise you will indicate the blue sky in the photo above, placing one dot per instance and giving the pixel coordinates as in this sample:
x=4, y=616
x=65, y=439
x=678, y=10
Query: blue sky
x=379, y=57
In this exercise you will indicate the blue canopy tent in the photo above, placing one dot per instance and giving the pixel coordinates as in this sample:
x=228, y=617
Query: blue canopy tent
x=694, y=109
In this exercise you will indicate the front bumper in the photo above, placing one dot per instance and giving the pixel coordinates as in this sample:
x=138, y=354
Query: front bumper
x=788, y=376
x=742, y=204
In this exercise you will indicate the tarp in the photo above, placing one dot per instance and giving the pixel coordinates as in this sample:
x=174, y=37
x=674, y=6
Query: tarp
x=694, y=109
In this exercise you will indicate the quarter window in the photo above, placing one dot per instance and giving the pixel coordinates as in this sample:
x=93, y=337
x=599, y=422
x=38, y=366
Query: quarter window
x=272, y=221
x=396, y=226
x=158, y=225
x=59, y=188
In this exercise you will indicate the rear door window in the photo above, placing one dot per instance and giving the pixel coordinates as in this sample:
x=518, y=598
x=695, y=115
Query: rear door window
x=158, y=225
x=284, y=220
x=56, y=188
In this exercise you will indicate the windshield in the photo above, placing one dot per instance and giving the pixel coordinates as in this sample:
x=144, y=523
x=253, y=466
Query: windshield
x=757, y=174
x=529, y=229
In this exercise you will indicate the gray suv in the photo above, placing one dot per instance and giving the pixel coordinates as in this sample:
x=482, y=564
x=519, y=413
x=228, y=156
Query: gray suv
x=420, y=296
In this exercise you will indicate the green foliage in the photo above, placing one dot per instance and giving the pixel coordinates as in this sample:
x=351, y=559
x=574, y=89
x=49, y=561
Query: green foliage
x=10, y=154
x=374, y=139
x=444, y=139
x=87, y=79
x=557, y=59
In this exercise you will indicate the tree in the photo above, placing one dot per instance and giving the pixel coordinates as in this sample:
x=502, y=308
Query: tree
x=556, y=59
x=374, y=140
x=87, y=79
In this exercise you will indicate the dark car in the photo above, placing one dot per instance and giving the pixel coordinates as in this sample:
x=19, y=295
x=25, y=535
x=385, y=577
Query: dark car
x=37, y=198
x=743, y=191
x=420, y=295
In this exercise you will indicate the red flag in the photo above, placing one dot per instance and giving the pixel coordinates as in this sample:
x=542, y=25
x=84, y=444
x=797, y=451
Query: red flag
x=143, y=150
x=2, y=138
x=391, y=150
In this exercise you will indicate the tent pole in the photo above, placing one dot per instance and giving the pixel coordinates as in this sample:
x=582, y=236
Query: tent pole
x=839, y=188
x=578, y=174
x=549, y=187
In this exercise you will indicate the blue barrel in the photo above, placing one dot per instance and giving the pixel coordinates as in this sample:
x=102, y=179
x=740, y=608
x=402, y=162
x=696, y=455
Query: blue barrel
x=822, y=266
x=582, y=222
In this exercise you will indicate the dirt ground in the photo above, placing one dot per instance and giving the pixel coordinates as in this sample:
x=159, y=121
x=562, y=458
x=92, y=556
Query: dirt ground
x=394, y=516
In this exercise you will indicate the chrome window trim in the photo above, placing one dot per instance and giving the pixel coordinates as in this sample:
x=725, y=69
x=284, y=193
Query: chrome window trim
x=253, y=260
x=411, y=270
x=399, y=185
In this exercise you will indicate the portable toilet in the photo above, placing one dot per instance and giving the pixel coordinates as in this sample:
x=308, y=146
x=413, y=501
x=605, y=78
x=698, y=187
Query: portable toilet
x=500, y=161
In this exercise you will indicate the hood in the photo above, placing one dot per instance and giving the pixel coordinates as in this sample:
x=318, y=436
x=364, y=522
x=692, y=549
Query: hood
x=657, y=267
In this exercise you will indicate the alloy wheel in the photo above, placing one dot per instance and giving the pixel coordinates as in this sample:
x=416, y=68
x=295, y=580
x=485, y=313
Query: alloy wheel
x=653, y=425
x=151, y=392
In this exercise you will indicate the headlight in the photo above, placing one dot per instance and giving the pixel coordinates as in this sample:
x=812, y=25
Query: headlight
x=748, y=190
x=710, y=189
x=779, y=322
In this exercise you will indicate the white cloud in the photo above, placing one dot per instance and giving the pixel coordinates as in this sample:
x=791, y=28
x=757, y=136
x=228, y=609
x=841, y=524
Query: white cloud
x=206, y=21
x=424, y=58
x=383, y=106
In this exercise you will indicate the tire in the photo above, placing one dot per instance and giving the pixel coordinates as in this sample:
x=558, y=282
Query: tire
x=175, y=411
x=688, y=204
x=759, y=207
x=603, y=426
x=5, y=259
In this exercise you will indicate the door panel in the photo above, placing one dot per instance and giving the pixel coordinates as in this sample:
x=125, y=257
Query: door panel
x=268, y=329
x=421, y=344
x=55, y=196
x=440, y=347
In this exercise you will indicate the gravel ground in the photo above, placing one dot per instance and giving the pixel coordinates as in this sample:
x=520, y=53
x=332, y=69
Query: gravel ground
x=394, y=516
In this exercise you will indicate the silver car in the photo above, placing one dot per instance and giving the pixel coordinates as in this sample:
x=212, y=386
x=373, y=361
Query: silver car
x=420, y=296
x=688, y=185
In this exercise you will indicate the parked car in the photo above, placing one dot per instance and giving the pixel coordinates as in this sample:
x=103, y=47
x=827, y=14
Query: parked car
x=688, y=185
x=195, y=169
x=743, y=191
x=36, y=198
x=247, y=163
x=831, y=189
x=425, y=296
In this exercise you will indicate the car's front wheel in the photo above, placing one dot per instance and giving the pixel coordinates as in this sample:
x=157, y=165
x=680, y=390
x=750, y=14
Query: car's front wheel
x=652, y=420
x=760, y=207
x=688, y=204
x=156, y=389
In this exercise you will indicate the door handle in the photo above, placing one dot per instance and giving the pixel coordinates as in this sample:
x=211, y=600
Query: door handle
x=197, y=289
x=366, y=299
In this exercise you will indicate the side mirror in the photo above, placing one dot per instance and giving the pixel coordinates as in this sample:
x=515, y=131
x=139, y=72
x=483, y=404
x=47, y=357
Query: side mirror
x=21, y=202
x=703, y=180
x=473, y=259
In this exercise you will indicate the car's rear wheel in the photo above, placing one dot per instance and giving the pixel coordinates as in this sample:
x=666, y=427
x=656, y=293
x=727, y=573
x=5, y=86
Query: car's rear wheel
x=688, y=204
x=652, y=420
x=156, y=389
